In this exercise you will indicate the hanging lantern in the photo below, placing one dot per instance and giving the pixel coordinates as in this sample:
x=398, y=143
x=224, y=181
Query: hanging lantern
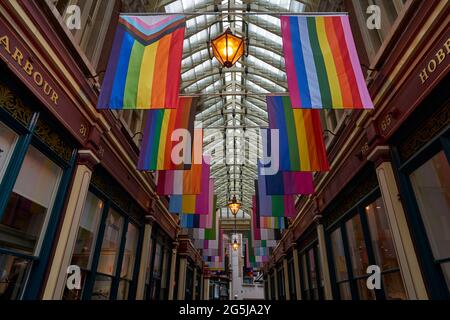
x=228, y=48
x=234, y=206
x=235, y=245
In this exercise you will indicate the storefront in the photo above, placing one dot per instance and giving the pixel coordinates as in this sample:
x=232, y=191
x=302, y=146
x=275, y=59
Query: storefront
x=108, y=242
x=358, y=236
x=422, y=156
x=37, y=158
x=309, y=264
x=158, y=288
x=280, y=282
x=291, y=276
x=91, y=208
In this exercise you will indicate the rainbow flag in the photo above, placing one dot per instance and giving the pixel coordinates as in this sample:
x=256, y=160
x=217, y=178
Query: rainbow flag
x=200, y=225
x=274, y=206
x=193, y=204
x=322, y=64
x=157, y=144
x=211, y=233
x=271, y=223
x=189, y=220
x=179, y=182
x=289, y=183
x=301, y=145
x=145, y=63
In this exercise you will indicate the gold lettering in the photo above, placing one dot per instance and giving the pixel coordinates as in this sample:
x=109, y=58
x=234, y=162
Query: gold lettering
x=18, y=56
x=440, y=55
x=447, y=45
x=28, y=68
x=5, y=42
x=36, y=76
x=431, y=65
x=47, y=88
x=423, y=76
x=54, y=97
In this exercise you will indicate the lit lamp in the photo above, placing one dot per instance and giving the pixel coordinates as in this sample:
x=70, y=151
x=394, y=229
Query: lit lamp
x=235, y=245
x=228, y=48
x=234, y=206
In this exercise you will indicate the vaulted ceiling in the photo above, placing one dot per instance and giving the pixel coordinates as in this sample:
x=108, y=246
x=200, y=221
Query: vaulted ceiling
x=232, y=101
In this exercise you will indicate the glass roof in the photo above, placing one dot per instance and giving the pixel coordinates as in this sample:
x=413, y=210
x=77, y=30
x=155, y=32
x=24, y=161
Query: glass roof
x=230, y=118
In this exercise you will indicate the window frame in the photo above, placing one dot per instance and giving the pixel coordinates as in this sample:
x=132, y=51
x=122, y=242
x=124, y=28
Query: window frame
x=116, y=278
x=27, y=137
x=356, y=210
x=308, y=292
x=432, y=272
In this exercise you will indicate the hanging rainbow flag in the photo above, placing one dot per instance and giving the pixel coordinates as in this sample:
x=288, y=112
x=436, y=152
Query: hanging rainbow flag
x=289, y=183
x=271, y=223
x=211, y=233
x=198, y=224
x=145, y=63
x=193, y=204
x=256, y=231
x=274, y=206
x=189, y=220
x=179, y=182
x=322, y=65
x=157, y=145
x=301, y=145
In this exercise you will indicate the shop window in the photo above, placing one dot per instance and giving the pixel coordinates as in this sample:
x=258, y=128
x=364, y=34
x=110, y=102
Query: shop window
x=361, y=240
x=163, y=293
x=14, y=272
x=312, y=278
x=272, y=286
x=431, y=187
x=26, y=215
x=108, y=256
x=85, y=243
x=8, y=139
x=357, y=246
x=111, y=243
x=292, y=288
x=384, y=251
x=156, y=274
x=147, y=270
x=189, y=283
x=29, y=211
x=128, y=261
x=105, y=250
x=313, y=275
x=340, y=266
x=281, y=288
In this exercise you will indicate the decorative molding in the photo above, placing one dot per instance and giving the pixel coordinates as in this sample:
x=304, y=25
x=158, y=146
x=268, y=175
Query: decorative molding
x=49, y=135
x=425, y=132
x=318, y=219
x=14, y=106
x=87, y=158
x=351, y=195
x=379, y=155
x=150, y=219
